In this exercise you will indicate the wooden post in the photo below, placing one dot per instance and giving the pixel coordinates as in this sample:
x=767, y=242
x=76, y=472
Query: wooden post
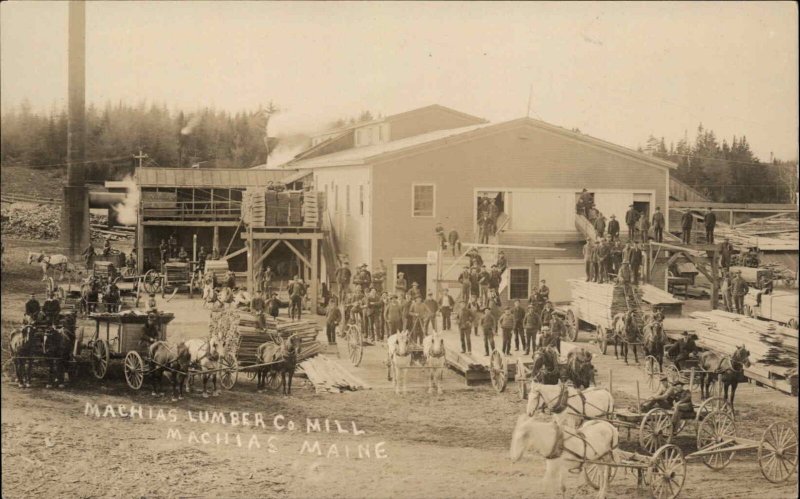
x=714, y=281
x=139, y=241
x=691, y=379
x=638, y=401
x=314, y=275
x=215, y=240
x=611, y=381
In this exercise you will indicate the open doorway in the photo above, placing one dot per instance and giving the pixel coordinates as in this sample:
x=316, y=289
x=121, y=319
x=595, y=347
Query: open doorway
x=415, y=272
x=643, y=207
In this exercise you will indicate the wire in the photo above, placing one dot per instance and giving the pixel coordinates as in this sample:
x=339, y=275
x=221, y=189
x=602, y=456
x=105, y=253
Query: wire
x=72, y=163
x=692, y=156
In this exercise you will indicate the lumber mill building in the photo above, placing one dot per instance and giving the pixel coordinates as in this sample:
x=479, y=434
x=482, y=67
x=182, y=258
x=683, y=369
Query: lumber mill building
x=388, y=182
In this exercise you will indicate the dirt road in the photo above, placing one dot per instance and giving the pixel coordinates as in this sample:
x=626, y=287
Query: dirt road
x=100, y=439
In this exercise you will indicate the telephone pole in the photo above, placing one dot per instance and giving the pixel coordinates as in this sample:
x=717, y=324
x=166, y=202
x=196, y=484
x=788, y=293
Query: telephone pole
x=140, y=157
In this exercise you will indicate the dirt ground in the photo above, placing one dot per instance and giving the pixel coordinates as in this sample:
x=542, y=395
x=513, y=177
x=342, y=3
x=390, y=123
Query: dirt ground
x=414, y=445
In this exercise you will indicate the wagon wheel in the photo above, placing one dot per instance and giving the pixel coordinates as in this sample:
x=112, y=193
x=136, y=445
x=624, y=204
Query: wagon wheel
x=602, y=339
x=789, y=281
x=355, y=344
x=134, y=369
x=673, y=374
x=777, y=452
x=655, y=430
x=152, y=282
x=497, y=371
x=792, y=323
x=227, y=378
x=667, y=472
x=519, y=376
x=716, y=430
x=653, y=371
x=100, y=358
x=250, y=374
x=593, y=471
x=571, y=332
x=714, y=404
x=273, y=381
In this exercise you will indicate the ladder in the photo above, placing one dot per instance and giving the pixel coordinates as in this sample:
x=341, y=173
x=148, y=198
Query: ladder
x=634, y=306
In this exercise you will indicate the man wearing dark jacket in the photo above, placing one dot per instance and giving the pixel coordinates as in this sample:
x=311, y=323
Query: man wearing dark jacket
x=433, y=307
x=613, y=228
x=636, y=262
x=32, y=308
x=726, y=254
x=465, y=320
x=588, y=253
x=600, y=225
x=531, y=325
x=464, y=279
x=393, y=315
x=603, y=257
x=710, y=221
x=488, y=325
x=631, y=217
x=658, y=225
x=333, y=317
x=519, y=318
x=687, y=219
x=446, y=304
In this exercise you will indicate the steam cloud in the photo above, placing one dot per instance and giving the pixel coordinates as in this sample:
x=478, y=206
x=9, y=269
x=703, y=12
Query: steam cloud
x=193, y=122
x=127, y=211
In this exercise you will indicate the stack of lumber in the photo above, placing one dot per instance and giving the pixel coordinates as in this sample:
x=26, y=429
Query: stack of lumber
x=598, y=303
x=254, y=206
x=310, y=209
x=769, y=344
x=469, y=366
x=772, y=226
x=295, y=208
x=271, y=199
x=218, y=268
x=660, y=298
x=328, y=376
x=281, y=209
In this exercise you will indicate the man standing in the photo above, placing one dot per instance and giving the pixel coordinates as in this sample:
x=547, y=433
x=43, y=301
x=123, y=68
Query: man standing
x=475, y=309
x=616, y=256
x=726, y=254
x=465, y=320
x=658, y=225
x=613, y=228
x=267, y=283
x=393, y=315
x=163, y=251
x=32, y=309
x=600, y=225
x=585, y=202
x=51, y=309
x=433, y=306
x=687, y=219
x=631, y=217
x=494, y=279
x=87, y=255
x=365, y=278
x=710, y=221
x=419, y=317
x=454, y=241
x=488, y=325
x=588, y=259
x=544, y=292
x=296, y=293
x=464, y=279
x=107, y=246
x=173, y=245
x=636, y=262
x=739, y=289
x=519, y=319
x=483, y=228
x=333, y=317
x=446, y=304
x=372, y=313
x=343, y=276
x=603, y=254
x=531, y=325
x=502, y=263
x=725, y=289
x=483, y=280
x=644, y=227
x=414, y=291
x=400, y=284
x=494, y=212
x=507, y=325
x=439, y=230
x=201, y=259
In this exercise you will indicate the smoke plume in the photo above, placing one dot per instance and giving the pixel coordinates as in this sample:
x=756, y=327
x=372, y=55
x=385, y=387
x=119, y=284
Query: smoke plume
x=127, y=211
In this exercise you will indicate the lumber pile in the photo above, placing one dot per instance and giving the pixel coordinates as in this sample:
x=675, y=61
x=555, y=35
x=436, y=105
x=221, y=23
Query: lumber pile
x=598, y=303
x=266, y=207
x=219, y=268
x=329, y=376
x=768, y=343
x=772, y=226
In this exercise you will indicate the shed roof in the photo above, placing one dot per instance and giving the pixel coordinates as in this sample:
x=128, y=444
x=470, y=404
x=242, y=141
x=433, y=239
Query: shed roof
x=208, y=177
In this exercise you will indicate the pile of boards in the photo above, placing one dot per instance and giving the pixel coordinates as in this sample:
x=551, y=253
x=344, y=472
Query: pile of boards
x=769, y=343
x=263, y=207
x=660, y=298
x=471, y=368
x=597, y=303
x=219, y=268
x=329, y=376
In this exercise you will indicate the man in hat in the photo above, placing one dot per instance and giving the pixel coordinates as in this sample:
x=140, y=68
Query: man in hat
x=739, y=289
x=343, y=276
x=599, y=225
x=494, y=279
x=502, y=263
x=488, y=325
x=644, y=227
x=51, y=308
x=439, y=230
x=393, y=315
x=400, y=284
x=519, y=319
x=32, y=309
x=531, y=325
x=547, y=314
x=464, y=279
x=466, y=320
x=483, y=280
x=507, y=325
x=636, y=261
x=268, y=277
x=365, y=278
x=682, y=406
x=682, y=349
x=631, y=217
x=725, y=290
x=333, y=316
x=107, y=246
x=584, y=203
x=544, y=292
x=662, y=397
x=273, y=306
x=446, y=304
x=474, y=307
x=202, y=256
x=415, y=292
x=183, y=256
x=658, y=225
x=602, y=256
x=710, y=222
x=687, y=220
x=613, y=228
x=726, y=251
x=173, y=245
x=433, y=307
x=419, y=313
x=373, y=302
x=454, y=241
x=152, y=329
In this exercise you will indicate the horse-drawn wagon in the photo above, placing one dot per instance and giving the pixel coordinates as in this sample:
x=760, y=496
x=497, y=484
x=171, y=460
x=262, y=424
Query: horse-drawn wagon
x=176, y=275
x=47, y=341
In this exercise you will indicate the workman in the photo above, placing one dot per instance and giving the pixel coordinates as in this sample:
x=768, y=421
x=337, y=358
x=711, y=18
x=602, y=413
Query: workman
x=658, y=225
x=687, y=220
x=631, y=217
x=393, y=315
x=600, y=225
x=507, y=325
x=488, y=325
x=465, y=323
x=531, y=325
x=519, y=319
x=446, y=304
x=454, y=241
x=710, y=222
x=588, y=259
x=613, y=228
x=51, y=309
x=739, y=289
x=333, y=316
x=32, y=309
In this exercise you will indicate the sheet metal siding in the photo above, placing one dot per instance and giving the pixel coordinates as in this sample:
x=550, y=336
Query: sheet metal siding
x=518, y=158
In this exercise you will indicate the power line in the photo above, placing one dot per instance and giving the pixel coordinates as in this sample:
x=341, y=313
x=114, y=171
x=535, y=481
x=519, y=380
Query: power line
x=73, y=163
x=692, y=156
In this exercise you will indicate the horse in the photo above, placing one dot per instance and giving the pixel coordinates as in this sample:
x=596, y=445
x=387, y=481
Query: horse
x=433, y=350
x=545, y=366
x=398, y=349
x=563, y=447
x=730, y=367
x=174, y=360
x=57, y=345
x=625, y=333
x=205, y=355
x=21, y=345
x=654, y=341
x=569, y=404
x=579, y=368
x=58, y=262
x=282, y=357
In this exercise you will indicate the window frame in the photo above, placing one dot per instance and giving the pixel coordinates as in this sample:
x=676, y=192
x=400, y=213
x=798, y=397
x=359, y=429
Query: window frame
x=527, y=287
x=413, y=199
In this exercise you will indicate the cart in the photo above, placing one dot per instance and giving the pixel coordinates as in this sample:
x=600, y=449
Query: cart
x=664, y=472
x=38, y=351
x=175, y=276
x=780, y=306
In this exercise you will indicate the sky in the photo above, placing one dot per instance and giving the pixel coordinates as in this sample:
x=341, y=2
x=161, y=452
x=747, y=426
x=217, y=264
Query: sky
x=617, y=71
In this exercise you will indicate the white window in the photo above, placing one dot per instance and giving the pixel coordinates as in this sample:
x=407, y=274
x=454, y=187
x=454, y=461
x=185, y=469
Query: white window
x=423, y=202
x=347, y=199
x=361, y=200
x=519, y=283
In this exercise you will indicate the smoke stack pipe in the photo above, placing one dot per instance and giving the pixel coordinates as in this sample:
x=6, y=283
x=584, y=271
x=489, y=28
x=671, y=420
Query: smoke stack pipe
x=75, y=213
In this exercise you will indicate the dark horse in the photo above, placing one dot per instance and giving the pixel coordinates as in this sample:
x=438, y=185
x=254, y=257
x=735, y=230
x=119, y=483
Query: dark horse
x=281, y=355
x=625, y=334
x=57, y=345
x=579, y=368
x=545, y=369
x=654, y=341
x=21, y=345
x=175, y=361
x=730, y=367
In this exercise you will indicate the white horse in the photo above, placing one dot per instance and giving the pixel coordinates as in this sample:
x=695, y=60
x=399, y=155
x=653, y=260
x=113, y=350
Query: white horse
x=565, y=448
x=570, y=405
x=398, y=353
x=205, y=355
x=433, y=350
x=58, y=262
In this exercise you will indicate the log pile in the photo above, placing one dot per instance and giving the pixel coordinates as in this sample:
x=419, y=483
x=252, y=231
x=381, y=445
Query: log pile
x=328, y=376
x=768, y=343
x=31, y=221
x=598, y=303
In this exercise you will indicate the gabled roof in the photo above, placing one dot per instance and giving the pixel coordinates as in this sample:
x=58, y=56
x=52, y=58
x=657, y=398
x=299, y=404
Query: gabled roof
x=385, y=151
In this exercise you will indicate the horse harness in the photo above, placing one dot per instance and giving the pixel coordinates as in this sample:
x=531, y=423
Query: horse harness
x=562, y=402
x=559, y=449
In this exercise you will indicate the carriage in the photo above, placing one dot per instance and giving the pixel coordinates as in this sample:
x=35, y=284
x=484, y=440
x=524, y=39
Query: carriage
x=37, y=349
x=175, y=276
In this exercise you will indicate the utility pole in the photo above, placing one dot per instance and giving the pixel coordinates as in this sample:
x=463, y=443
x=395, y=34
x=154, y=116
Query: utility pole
x=140, y=157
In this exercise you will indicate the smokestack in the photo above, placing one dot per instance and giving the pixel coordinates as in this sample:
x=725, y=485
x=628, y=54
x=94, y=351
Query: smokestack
x=75, y=213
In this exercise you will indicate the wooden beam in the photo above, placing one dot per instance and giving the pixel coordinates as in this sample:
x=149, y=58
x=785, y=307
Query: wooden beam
x=293, y=236
x=314, y=276
x=184, y=223
x=298, y=253
x=507, y=246
x=235, y=253
x=702, y=205
x=266, y=253
x=233, y=236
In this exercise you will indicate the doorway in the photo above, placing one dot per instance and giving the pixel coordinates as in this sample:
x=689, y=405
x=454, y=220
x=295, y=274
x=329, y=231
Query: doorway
x=415, y=272
x=643, y=207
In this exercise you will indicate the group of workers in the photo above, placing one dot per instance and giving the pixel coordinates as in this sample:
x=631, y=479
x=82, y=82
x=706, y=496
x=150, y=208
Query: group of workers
x=733, y=289
x=488, y=213
x=687, y=223
x=637, y=222
x=607, y=257
x=47, y=313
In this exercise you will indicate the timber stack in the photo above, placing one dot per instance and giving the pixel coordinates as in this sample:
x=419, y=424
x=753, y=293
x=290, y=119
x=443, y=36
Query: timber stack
x=598, y=303
x=661, y=299
x=218, y=268
x=328, y=376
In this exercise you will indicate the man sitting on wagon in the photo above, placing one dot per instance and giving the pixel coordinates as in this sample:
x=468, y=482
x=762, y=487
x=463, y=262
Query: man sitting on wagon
x=51, y=309
x=32, y=309
x=682, y=404
x=683, y=349
x=662, y=398
x=150, y=334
